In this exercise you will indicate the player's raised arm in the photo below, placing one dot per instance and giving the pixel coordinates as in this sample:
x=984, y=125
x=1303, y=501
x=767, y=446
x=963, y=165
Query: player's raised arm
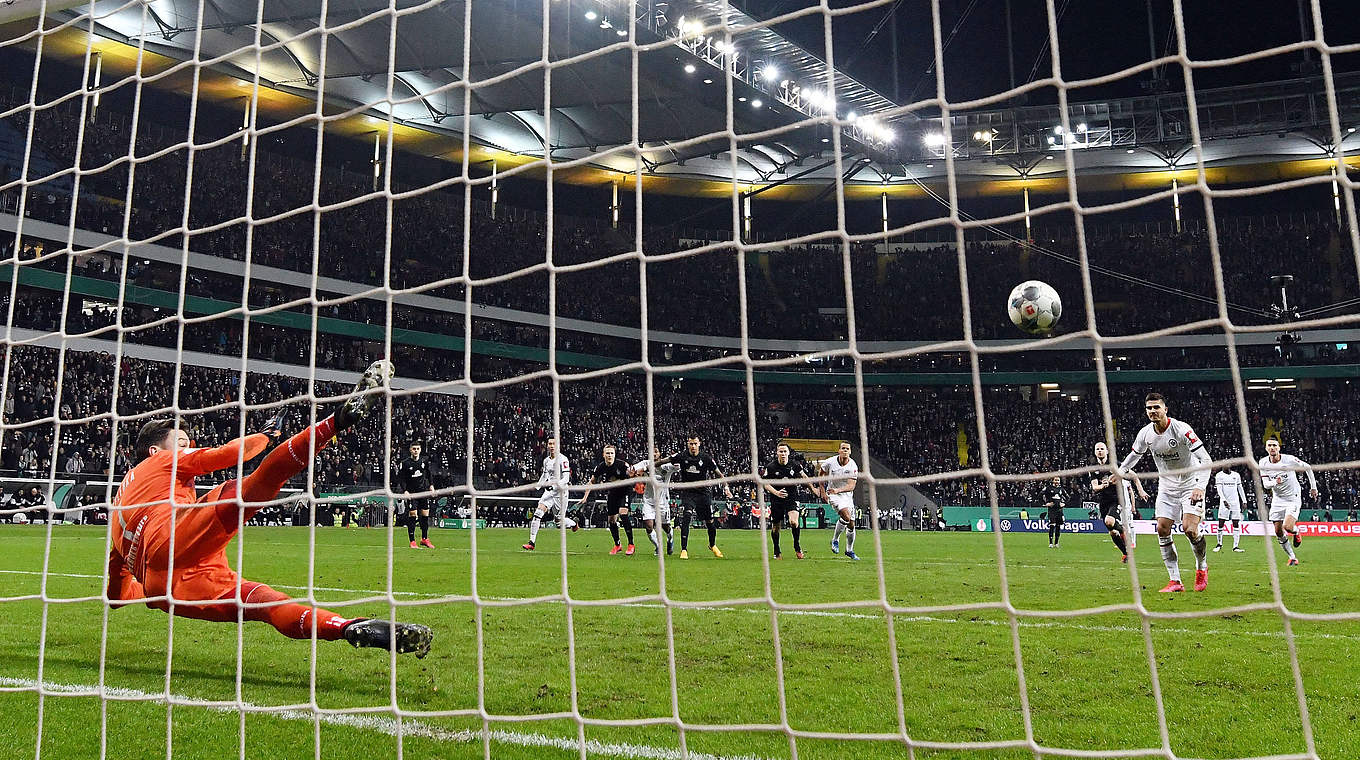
x=1312, y=479
x=204, y=461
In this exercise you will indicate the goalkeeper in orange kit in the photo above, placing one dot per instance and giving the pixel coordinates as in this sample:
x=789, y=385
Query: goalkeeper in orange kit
x=168, y=547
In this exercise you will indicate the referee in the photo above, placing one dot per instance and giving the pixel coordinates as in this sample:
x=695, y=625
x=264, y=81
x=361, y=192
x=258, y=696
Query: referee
x=413, y=476
x=697, y=500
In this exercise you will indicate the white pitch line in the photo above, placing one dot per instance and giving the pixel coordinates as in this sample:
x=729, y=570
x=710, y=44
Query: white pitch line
x=382, y=724
x=1023, y=623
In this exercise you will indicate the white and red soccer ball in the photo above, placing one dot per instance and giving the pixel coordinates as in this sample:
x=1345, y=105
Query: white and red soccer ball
x=1034, y=307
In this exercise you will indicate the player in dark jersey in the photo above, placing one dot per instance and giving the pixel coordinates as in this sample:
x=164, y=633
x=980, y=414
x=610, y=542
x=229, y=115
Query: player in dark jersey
x=697, y=500
x=413, y=476
x=612, y=470
x=783, y=496
x=1106, y=495
x=1053, y=500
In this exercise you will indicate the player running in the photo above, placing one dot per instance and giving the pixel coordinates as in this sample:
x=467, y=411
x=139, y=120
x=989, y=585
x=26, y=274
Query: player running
x=782, y=487
x=168, y=546
x=556, y=480
x=612, y=470
x=1279, y=475
x=1107, y=490
x=1231, y=497
x=1183, y=472
x=656, y=498
x=841, y=476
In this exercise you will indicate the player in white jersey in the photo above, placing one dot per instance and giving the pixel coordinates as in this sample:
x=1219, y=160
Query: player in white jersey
x=1182, y=473
x=1231, y=497
x=1279, y=476
x=656, y=498
x=841, y=476
x=556, y=480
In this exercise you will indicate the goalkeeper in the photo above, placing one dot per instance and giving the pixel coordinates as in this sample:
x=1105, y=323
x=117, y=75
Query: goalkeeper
x=157, y=513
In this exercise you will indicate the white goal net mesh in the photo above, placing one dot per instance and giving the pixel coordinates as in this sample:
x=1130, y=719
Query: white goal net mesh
x=214, y=212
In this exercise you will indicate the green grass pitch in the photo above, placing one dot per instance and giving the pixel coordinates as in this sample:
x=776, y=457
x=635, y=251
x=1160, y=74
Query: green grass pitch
x=1226, y=679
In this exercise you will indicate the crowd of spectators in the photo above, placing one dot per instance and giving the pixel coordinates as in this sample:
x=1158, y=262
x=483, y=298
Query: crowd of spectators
x=1139, y=282
x=915, y=432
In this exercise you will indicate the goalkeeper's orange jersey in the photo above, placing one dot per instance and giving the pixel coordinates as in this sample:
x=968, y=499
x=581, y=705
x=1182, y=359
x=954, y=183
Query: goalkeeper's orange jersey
x=144, y=499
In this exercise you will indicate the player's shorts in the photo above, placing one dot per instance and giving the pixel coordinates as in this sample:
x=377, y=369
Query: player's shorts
x=552, y=500
x=1109, y=510
x=1229, y=511
x=1175, y=504
x=779, y=514
x=1281, y=508
x=1055, y=516
x=617, y=506
x=842, y=502
x=699, y=506
x=649, y=511
x=418, y=505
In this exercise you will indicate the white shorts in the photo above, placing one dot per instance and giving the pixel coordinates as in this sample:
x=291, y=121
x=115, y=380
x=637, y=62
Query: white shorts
x=1279, y=508
x=1229, y=511
x=649, y=511
x=553, y=500
x=1175, y=504
x=842, y=502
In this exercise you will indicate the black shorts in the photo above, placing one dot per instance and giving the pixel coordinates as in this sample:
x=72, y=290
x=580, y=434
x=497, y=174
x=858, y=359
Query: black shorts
x=414, y=505
x=700, y=506
x=779, y=513
x=1055, y=516
x=1109, y=511
x=616, y=506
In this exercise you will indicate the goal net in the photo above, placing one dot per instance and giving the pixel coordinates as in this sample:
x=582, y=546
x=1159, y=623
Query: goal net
x=695, y=230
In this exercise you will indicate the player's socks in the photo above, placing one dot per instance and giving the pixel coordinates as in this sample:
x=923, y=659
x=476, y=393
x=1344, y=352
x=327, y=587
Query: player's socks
x=533, y=527
x=424, y=527
x=627, y=527
x=1057, y=533
x=1200, y=545
x=1169, y=558
x=1118, y=538
x=849, y=539
x=651, y=536
x=1237, y=535
x=797, y=546
x=840, y=528
x=774, y=538
x=614, y=531
x=411, y=530
x=712, y=534
x=291, y=619
x=1284, y=541
x=684, y=534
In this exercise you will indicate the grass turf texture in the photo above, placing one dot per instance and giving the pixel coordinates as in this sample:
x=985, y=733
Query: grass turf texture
x=1226, y=679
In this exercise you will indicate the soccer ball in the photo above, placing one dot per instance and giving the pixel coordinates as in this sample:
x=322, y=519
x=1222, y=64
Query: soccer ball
x=1034, y=306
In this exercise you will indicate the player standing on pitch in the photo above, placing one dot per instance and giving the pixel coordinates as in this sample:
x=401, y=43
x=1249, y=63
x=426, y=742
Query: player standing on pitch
x=1231, y=497
x=612, y=470
x=1054, y=498
x=783, y=496
x=413, y=476
x=555, y=480
x=697, y=501
x=1107, y=490
x=1280, y=476
x=842, y=475
x=1182, y=473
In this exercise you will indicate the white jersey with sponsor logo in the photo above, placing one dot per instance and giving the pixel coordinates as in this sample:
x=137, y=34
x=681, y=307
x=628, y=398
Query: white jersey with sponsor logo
x=1282, y=478
x=838, y=476
x=556, y=475
x=658, y=491
x=1229, y=485
x=1175, y=450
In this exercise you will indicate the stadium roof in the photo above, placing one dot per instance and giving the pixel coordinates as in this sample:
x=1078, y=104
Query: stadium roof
x=694, y=59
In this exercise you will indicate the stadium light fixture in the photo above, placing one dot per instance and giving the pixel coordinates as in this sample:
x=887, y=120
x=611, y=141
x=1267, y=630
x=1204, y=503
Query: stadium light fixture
x=756, y=103
x=934, y=139
x=1349, y=130
x=1052, y=140
x=1081, y=127
x=1130, y=150
x=604, y=24
x=708, y=81
x=591, y=15
x=1058, y=130
x=689, y=68
x=771, y=73
x=621, y=32
x=1050, y=386
x=1048, y=158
